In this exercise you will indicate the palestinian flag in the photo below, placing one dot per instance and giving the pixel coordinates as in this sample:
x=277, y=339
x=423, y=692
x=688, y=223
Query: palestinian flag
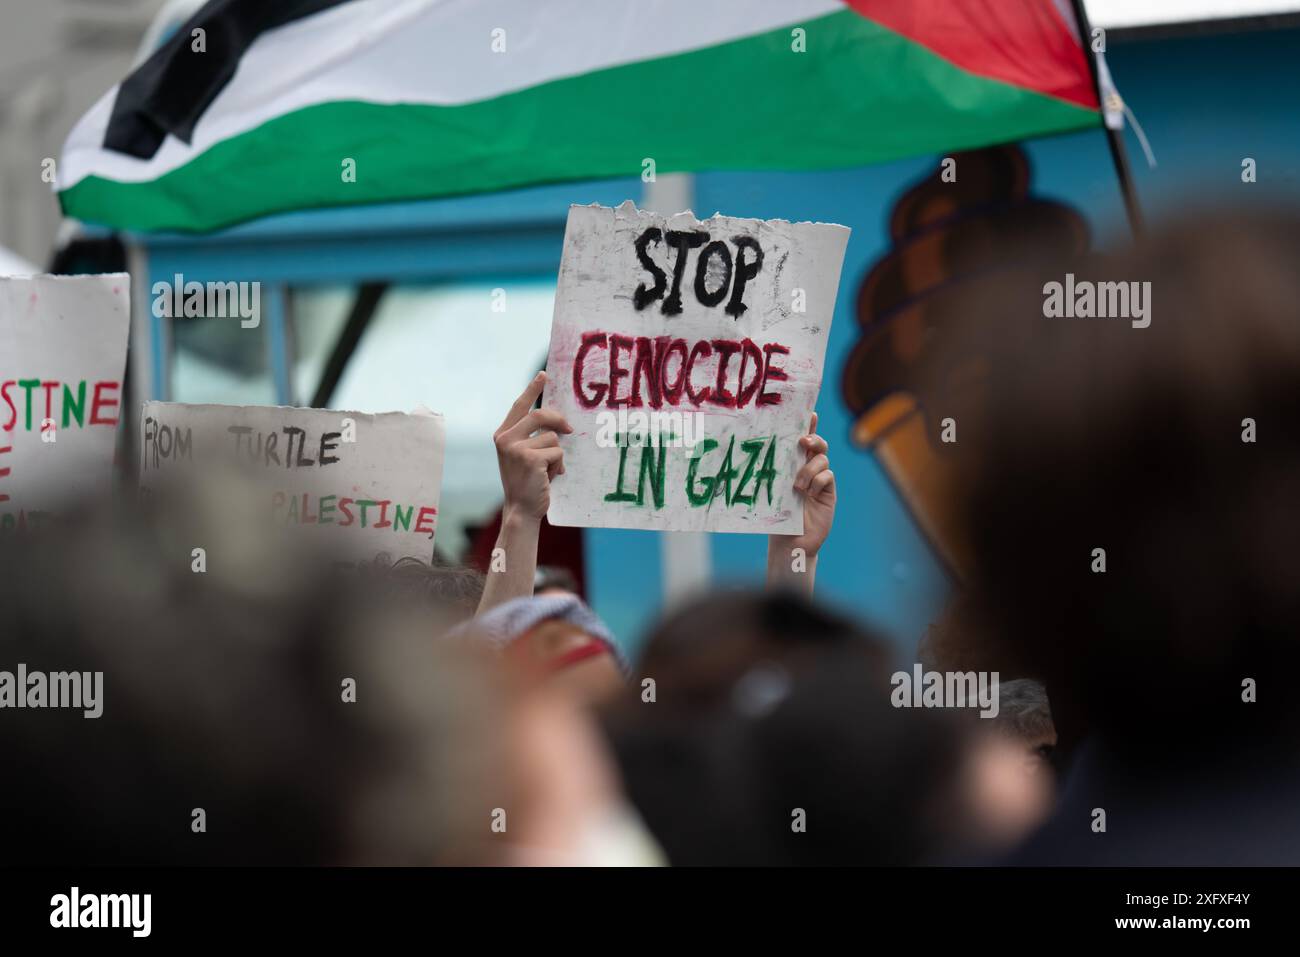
x=262, y=110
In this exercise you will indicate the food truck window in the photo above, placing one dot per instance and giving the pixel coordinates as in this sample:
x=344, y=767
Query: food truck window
x=463, y=349
x=223, y=360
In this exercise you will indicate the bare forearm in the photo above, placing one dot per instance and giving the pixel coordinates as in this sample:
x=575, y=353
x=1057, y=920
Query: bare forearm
x=513, y=567
x=789, y=566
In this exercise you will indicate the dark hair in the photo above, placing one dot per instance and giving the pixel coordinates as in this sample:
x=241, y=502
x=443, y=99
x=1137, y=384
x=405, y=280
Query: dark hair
x=452, y=591
x=1086, y=434
x=768, y=706
x=222, y=691
x=709, y=642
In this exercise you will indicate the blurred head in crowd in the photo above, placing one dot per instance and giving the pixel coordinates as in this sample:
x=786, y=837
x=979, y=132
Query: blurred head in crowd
x=1025, y=718
x=264, y=710
x=553, y=639
x=554, y=580
x=955, y=643
x=760, y=731
x=1007, y=774
x=451, y=592
x=1129, y=485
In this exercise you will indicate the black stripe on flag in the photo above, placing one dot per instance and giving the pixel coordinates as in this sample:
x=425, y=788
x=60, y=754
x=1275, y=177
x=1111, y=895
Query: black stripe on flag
x=171, y=90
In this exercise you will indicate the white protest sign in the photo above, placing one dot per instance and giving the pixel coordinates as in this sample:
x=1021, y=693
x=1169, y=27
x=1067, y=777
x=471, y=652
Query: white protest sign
x=687, y=356
x=62, y=357
x=365, y=485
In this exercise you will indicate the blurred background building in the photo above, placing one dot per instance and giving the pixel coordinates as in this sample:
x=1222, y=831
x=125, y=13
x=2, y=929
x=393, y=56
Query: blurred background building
x=56, y=58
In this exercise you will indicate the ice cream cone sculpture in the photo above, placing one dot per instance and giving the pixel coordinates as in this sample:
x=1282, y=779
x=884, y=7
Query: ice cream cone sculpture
x=963, y=225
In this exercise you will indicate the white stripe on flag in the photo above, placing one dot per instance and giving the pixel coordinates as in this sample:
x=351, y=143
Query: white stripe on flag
x=437, y=52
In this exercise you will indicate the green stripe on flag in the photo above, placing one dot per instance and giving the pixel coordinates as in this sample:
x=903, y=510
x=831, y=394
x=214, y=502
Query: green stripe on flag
x=860, y=94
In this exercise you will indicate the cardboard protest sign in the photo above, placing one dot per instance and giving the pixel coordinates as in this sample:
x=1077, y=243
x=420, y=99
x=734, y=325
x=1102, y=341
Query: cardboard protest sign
x=366, y=485
x=687, y=357
x=62, y=358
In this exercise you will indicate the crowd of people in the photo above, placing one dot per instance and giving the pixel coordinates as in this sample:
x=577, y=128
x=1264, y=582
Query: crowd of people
x=280, y=709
